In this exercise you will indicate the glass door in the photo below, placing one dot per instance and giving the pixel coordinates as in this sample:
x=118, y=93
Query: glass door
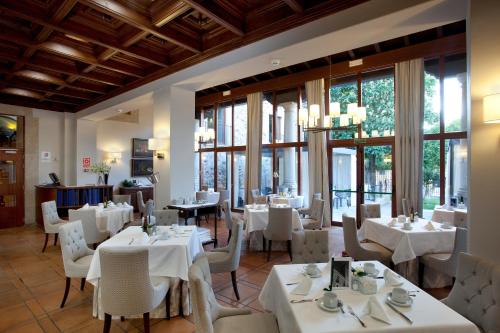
x=11, y=189
x=344, y=182
x=377, y=170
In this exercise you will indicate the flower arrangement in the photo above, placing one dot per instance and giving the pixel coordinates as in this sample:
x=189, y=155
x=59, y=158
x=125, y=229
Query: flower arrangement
x=358, y=272
x=100, y=168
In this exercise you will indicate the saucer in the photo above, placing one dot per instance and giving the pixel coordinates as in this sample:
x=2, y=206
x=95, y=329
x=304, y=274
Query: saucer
x=322, y=306
x=407, y=229
x=317, y=275
x=408, y=303
x=446, y=227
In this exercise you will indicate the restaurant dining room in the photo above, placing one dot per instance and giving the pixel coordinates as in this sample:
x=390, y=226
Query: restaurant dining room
x=249, y=166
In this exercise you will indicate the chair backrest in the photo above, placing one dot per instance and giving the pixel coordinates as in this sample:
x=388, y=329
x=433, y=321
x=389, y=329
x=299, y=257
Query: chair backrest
x=351, y=241
x=460, y=219
x=166, y=216
x=122, y=198
x=204, y=187
x=125, y=285
x=310, y=246
x=73, y=245
x=442, y=216
x=227, y=214
x=279, y=225
x=201, y=195
x=213, y=197
x=234, y=248
x=223, y=195
x=317, y=210
x=49, y=213
x=89, y=223
x=255, y=193
x=369, y=211
x=406, y=209
x=476, y=292
x=140, y=202
x=450, y=266
x=260, y=200
x=205, y=306
x=316, y=195
x=150, y=206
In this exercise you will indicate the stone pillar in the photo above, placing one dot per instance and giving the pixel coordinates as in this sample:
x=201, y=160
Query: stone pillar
x=290, y=135
x=173, y=113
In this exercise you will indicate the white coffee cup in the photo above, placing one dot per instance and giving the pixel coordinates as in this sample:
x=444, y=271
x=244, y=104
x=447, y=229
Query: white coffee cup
x=369, y=267
x=407, y=226
x=330, y=300
x=401, y=219
x=400, y=295
x=312, y=269
x=446, y=225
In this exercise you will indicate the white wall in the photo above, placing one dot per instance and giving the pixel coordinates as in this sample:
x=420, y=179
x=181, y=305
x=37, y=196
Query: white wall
x=116, y=136
x=86, y=146
x=50, y=139
x=484, y=145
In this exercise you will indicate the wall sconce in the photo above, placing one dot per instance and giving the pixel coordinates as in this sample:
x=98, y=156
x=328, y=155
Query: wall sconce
x=114, y=157
x=159, y=146
x=491, y=109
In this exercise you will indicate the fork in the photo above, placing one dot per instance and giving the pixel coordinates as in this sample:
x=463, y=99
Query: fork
x=351, y=311
x=293, y=301
x=131, y=241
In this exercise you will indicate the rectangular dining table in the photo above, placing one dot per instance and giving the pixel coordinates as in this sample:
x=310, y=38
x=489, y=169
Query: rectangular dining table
x=427, y=313
x=167, y=258
x=197, y=210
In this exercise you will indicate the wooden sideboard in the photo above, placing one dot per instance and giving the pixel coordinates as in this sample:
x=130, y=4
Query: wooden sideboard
x=70, y=197
x=147, y=193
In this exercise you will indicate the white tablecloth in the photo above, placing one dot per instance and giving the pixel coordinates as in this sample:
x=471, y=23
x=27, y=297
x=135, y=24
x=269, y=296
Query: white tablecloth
x=294, y=202
x=167, y=258
x=408, y=244
x=428, y=314
x=257, y=218
x=114, y=218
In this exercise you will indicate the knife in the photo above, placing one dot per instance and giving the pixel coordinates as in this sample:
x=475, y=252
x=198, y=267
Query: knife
x=399, y=312
x=351, y=311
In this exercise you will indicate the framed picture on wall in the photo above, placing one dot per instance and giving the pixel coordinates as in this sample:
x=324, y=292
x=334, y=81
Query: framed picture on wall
x=140, y=149
x=142, y=167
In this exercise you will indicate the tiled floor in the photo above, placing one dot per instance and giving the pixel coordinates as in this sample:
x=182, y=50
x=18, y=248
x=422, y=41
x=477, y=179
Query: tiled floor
x=32, y=286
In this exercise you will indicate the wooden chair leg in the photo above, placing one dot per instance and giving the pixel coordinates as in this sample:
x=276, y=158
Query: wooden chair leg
x=269, y=250
x=82, y=284
x=122, y=318
x=289, y=247
x=94, y=246
x=235, y=285
x=167, y=303
x=421, y=269
x=145, y=318
x=229, y=236
x=181, y=306
x=107, y=323
x=263, y=243
x=66, y=291
x=55, y=239
x=46, y=240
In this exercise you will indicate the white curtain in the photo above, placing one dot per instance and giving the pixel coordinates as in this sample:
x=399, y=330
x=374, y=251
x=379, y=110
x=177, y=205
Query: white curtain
x=409, y=85
x=254, y=144
x=318, y=161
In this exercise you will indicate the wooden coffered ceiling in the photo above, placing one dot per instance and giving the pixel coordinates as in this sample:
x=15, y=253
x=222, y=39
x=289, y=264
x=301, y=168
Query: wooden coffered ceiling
x=66, y=55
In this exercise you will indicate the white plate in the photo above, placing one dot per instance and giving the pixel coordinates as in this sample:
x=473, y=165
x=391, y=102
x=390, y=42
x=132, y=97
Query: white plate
x=393, y=302
x=313, y=276
x=322, y=306
x=446, y=227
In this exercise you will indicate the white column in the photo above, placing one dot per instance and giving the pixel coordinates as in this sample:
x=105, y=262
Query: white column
x=484, y=148
x=173, y=113
x=86, y=146
x=289, y=177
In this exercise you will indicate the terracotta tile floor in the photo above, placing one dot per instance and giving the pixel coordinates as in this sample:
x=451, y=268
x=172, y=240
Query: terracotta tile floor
x=32, y=285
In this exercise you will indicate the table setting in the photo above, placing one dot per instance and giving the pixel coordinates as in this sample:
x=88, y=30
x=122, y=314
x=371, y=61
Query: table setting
x=304, y=299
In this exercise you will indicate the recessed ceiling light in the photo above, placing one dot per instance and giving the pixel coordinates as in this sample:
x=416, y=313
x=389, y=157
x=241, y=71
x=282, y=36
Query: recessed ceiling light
x=275, y=62
x=120, y=110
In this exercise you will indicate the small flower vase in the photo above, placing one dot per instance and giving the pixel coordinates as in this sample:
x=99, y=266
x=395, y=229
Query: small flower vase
x=355, y=283
x=106, y=177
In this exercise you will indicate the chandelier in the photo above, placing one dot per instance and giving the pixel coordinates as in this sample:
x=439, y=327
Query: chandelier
x=310, y=119
x=204, y=135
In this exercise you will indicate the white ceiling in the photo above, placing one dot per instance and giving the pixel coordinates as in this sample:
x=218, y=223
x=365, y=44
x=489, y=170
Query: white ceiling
x=368, y=23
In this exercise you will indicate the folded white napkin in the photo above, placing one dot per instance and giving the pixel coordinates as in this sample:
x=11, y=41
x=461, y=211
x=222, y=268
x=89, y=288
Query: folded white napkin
x=119, y=204
x=429, y=226
x=304, y=286
x=392, y=222
x=391, y=278
x=126, y=204
x=374, y=309
x=86, y=206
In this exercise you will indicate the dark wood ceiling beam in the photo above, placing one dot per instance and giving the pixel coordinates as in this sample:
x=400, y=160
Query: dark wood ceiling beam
x=218, y=14
x=296, y=5
x=46, y=89
x=122, y=13
x=31, y=103
x=166, y=11
x=83, y=33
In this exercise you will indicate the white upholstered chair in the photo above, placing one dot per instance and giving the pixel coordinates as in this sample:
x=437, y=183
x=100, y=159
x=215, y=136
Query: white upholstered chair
x=444, y=262
x=228, y=218
x=279, y=228
x=369, y=211
x=141, y=206
x=460, y=219
x=92, y=234
x=210, y=317
x=305, y=211
x=51, y=221
x=310, y=246
x=166, y=216
x=126, y=287
x=257, y=197
x=227, y=259
x=76, y=255
x=406, y=208
x=122, y=198
x=443, y=216
x=223, y=196
x=314, y=219
x=364, y=251
x=476, y=292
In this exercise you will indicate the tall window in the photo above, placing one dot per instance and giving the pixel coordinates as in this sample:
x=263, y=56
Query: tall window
x=445, y=136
